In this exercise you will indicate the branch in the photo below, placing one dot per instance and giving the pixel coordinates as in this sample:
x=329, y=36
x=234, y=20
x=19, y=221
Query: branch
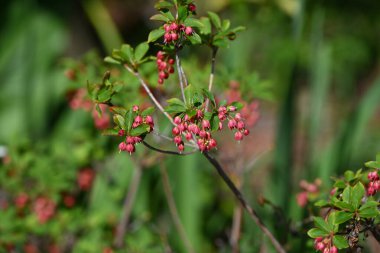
x=155, y=101
x=167, y=151
x=128, y=204
x=212, y=73
x=180, y=76
x=252, y=213
x=173, y=209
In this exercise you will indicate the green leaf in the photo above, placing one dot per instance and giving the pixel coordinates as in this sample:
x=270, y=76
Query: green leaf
x=163, y=5
x=214, y=122
x=322, y=203
x=220, y=43
x=331, y=220
x=118, y=110
x=160, y=17
x=238, y=105
x=111, y=60
x=349, y=175
x=97, y=108
x=210, y=96
x=342, y=217
x=215, y=19
x=119, y=120
x=225, y=25
x=316, y=232
x=344, y=205
x=340, y=242
x=195, y=39
x=340, y=184
x=182, y=13
x=129, y=117
x=322, y=224
x=110, y=132
x=369, y=209
x=175, y=101
x=206, y=28
x=104, y=95
x=141, y=129
x=193, y=22
x=358, y=192
x=169, y=15
x=189, y=94
x=373, y=164
x=141, y=50
x=148, y=111
x=156, y=34
x=127, y=53
x=175, y=106
x=238, y=29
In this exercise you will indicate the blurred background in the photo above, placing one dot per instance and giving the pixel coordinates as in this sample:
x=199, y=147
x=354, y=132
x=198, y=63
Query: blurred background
x=310, y=70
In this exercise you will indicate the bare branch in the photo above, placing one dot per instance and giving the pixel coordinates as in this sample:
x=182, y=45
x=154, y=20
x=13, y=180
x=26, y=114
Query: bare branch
x=244, y=203
x=212, y=73
x=180, y=76
x=145, y=86
x=167, y=151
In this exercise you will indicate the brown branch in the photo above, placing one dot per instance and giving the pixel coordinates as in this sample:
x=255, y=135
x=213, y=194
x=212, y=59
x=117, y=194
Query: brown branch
x=236, y=228
x=212, y=73
x=127, y=207
x=252, y=213
x=173, y=210
x=167, y=151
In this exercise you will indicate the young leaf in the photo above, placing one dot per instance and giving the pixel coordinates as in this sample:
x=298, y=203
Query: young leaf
x=225, y=25
x=163, y=5
x=127, y=53
x=342, y=217
x=160, y=17
x=238, y=105
x=148, y=111
x=141, y=50
x=344, y=206
x=322, y=203
x=214, y=122
x=373, y=164
x=118, y=110
x=210, y=96
x=358, y=192
x=128, y=120
x=111, y=60
x=193, y=22
x=182, y=13
x=141, y=129
x=369, y=210
x=156, y=34
x=340, y=242
x=215, y=19
x=195, y=39
x=189, y=93
x=119, y=121
x=322, y=224
x=169, y=15
x=104, y=95
x=206, y=28
x=349, y=175
x=316, y=232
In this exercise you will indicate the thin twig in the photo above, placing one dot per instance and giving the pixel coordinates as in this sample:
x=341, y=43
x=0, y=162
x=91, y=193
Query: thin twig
x=155, y=101
x=173, y=210
x=167, y=151
x=180, y=76
x=212, y=73
x=127, y=208
x=244, y=203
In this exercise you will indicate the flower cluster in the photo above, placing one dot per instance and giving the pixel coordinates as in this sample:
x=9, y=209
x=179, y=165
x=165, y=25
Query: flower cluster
x=198, y=128
x=174, y=31
x=164, y=66
x=130, y=141
x=324, y=245
x=374, y=184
